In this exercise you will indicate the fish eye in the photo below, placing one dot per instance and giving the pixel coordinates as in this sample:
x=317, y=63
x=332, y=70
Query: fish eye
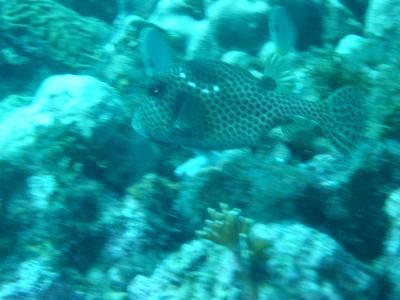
x=156, y=89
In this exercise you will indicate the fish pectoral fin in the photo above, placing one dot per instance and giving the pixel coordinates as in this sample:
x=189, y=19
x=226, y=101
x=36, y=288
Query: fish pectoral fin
x=189, y=121
x=297, y=127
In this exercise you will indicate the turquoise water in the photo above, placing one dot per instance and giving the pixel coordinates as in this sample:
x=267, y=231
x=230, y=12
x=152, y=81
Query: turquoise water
x=135, y=164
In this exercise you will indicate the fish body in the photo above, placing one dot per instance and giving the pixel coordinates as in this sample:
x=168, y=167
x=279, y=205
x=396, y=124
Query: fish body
x=208, y=104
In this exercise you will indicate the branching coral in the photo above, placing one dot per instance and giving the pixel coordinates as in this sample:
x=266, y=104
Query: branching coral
x=228, y=228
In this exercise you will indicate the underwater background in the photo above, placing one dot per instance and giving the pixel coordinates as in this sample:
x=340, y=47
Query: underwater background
x=92, y=209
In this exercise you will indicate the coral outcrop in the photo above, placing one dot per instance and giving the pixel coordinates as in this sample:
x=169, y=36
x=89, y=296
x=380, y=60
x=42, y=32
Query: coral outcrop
x=46, y=29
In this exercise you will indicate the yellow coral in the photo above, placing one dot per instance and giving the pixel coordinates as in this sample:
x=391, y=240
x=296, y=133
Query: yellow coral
x=225, y=227
x=228, y=228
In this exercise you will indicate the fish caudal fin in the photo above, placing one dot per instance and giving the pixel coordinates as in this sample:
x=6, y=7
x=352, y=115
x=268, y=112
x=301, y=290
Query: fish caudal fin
x=343, y=118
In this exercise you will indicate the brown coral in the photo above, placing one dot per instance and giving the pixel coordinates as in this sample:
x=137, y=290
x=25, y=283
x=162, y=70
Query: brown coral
x=228, y=228
x=61, y=34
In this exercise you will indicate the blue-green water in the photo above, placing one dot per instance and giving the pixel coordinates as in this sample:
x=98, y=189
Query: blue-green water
x=102, y=199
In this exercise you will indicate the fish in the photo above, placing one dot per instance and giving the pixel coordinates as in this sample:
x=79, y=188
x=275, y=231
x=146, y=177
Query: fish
x=281, y=29
x=212, y=105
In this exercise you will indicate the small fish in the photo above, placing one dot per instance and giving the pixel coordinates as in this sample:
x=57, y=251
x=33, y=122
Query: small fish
x=212, y=105
x=282, y=30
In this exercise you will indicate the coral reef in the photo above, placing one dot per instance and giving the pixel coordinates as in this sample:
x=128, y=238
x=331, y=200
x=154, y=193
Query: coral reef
x=296, y=261
x=266, y=187
x=239, y=25
x=229, y=229
x=77, y=117
x=157, y=194
x=199, y=270
x=388, y=263
x=89, y=209
x=319, y=22
x=381, y=20
x=320, y=192
x=41, y=38
x=33, y=276
x=46, y=29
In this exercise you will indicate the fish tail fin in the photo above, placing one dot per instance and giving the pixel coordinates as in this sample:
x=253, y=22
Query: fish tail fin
x=343, y=118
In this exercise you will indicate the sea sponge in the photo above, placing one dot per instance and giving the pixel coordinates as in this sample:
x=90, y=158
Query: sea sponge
x=53, y=32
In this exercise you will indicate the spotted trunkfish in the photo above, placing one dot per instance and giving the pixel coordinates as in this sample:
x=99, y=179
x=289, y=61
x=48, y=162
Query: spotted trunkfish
x=207, y=104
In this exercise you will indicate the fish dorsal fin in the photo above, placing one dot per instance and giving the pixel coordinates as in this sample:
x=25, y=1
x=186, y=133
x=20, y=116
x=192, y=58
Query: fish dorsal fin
x=268, y=83
x=189, y=121
x=155, y=50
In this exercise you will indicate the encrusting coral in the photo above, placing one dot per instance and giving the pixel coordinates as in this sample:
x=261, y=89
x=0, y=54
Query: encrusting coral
x=47, y=29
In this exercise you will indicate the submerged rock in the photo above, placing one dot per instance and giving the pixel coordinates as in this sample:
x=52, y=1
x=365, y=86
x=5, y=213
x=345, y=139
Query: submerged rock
x=241, y=24
x=32, y=279
x=81, y=120
x=382, y=20
x=300, y=263
x=319, y=23
x=200, y=270
x=47, y=30
x=389, y=264
x=357, y=50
